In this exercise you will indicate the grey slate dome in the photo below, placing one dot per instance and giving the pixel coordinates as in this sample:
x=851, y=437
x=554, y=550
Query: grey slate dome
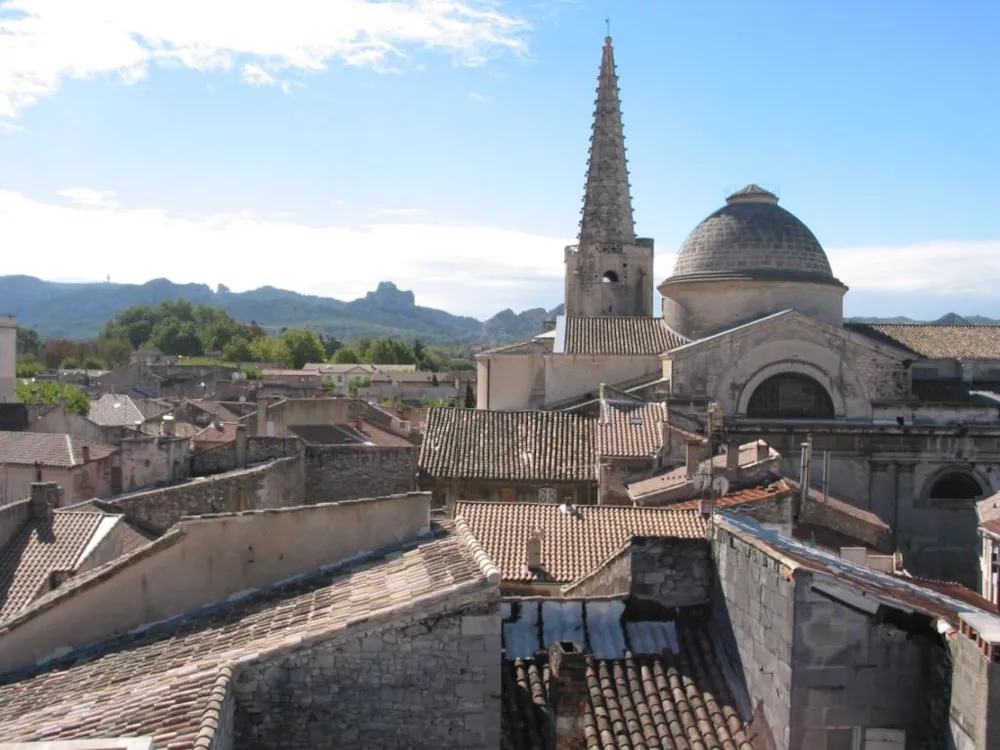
x=751, y=237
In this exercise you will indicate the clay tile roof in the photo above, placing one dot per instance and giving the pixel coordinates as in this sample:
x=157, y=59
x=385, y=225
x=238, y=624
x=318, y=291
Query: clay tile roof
x=508, y=445
x=213, y=435
x=349, y=434
x=42, y=546
x=216, y=409
x=163, y=681
x=933, y=341
x=522, y=347
x=989, y=514
x=104, y=412
x=620, y=336
x=738, y=497
x=50, y=449
x=676, y=698
x=572, y=545
x=629, y=429
x=678, y=476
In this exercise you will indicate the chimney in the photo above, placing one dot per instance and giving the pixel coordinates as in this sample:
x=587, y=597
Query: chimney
x=45, y=497
x=664, y=438
x=241, y=445
x=535, y=550
x=706, y=504
x=38, y=471
x=568, y=692
x=733, y=457
x=359, y=423
x=261, y=415
x=85, y=450
x=763, y=451
x=693, y=457
x=167, y=425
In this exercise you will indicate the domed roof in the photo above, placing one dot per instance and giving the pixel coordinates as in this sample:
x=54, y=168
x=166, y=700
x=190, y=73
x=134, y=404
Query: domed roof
x=751, y=237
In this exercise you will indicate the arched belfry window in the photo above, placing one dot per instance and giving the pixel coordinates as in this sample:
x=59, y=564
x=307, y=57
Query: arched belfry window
x=956, y=485
x=790, y=395
x=610, y=277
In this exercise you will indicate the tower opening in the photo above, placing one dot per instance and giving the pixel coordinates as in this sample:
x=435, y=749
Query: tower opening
x=610, y=277
x=790, y=396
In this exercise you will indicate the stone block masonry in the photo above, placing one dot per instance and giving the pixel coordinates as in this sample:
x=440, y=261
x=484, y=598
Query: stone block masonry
x=431, y=680
x=277, y=484
x=754, y=607
x=341, y=472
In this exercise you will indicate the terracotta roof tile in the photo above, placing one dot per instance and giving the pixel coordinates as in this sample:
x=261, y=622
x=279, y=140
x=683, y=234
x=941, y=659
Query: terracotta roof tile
x=42, y=546
x=572, y=545
x=51, y=449
x=989, y=514
x=349, y=434
x=508, y=446
x=629, y=429
x=215, y=408
x=738, y=497
x=936, y=341
x=522, y=347
x=678, y=698
x=648, y=487
x=104, y=412
x=159, y=681
x=620, y=336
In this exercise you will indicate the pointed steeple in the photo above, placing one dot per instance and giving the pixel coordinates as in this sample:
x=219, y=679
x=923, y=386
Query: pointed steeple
x=607, y=201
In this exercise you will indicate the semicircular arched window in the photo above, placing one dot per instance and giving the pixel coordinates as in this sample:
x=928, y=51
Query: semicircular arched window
x=956, y=485
x=790, y=395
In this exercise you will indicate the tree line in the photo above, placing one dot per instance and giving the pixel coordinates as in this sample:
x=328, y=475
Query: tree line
x=176, y=327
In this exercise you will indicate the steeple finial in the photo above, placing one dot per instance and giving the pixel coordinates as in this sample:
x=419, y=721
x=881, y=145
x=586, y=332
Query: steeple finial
x=607, y=201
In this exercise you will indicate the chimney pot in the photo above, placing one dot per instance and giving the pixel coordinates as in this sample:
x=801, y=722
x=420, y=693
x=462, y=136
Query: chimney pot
x=85, y=451
x=535, y=550
x=45, y=496
x=732, y=457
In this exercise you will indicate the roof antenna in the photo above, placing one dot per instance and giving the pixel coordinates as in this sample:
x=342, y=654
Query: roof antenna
x=607, y=23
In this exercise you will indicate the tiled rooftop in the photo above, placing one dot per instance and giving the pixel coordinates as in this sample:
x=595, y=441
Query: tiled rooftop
x=508, y=446
x=649, y=684
x=215, y=408
x=619, y=336
x=573, y=545
x=936, y=341
x=160, y=681
x=349, y=434
x=216, y=433
x=129, y=412
x=50, y=449
x=989, y=514
x=42, y=546
x=674, y=477
x=522, y=347
x=629, y=429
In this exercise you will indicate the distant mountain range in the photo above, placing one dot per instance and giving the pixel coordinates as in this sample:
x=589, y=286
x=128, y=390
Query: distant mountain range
x=77, y=311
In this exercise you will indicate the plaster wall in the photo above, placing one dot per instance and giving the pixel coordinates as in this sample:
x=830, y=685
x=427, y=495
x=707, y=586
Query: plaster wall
x=569, y=376
x=507, y=382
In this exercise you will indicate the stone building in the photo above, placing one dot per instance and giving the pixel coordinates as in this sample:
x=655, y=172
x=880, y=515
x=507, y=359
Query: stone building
x=8, y=359
x=356, y=624
x=907, y=416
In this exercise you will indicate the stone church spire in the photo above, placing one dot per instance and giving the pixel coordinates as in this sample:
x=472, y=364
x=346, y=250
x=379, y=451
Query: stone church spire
x=607, y=201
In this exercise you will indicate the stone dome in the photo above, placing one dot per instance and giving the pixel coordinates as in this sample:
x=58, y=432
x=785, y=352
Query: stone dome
x=752, y=237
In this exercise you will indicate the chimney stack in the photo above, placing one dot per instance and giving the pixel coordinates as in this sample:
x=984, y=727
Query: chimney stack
x=85, y=451
x=664, y=438
x=535, y=550
x=693, y=457
x=262, y=414
x=733, y=457
x=763, y=451
x=45, y=497
x=568, y=692
x=706, y=505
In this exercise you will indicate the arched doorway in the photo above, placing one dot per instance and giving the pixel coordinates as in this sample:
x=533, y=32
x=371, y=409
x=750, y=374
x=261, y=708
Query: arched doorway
x=790, y=395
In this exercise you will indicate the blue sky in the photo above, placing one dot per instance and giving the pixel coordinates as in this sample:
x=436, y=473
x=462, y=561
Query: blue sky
x=442, y=144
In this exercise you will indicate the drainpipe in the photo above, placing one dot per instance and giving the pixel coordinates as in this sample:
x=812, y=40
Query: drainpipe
x=826, y=473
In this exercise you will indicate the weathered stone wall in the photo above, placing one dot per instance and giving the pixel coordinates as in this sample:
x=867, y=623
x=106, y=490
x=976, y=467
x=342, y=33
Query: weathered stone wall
x=614, y=578
x=851, y=672
x=278, y=484
x=341, y=472
x=259, y=449
x=754, y=607
x=975, y=696
x=429, y=680
x=672, y=572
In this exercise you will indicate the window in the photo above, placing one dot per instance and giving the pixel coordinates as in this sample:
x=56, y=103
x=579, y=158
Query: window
x=610, y=277
x=790, y=396
x=547, y=495
x=956, y=485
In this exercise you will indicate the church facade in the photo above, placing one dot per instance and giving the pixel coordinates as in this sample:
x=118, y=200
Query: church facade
x=905, y=418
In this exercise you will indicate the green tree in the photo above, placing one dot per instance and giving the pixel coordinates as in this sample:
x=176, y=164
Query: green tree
x=270, y=349
x=238, y=350
x=346, y=355
x=303, y=346
x=470, y=397
x=29, y=368
x=53, y=393
x=29, y=343
x=69, y=363
x=176, y=336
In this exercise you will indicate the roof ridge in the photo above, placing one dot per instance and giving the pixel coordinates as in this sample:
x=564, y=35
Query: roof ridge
x=483, y=560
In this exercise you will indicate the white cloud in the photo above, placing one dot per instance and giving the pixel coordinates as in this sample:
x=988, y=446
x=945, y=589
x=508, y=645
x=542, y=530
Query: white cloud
x=48, y=41
x=472, y=270
x=481, y=98
x=337, y=202
x=90, y=198
x=257, y=76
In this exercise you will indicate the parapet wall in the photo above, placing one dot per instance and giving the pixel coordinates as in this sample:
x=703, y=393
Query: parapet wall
x=344, y=472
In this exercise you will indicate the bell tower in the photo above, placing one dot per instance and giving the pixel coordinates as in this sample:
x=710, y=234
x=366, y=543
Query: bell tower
x=609, y=272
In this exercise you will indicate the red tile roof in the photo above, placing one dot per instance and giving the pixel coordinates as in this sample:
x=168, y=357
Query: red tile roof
x=630, y=429
x=50, y=449
x=572, y=545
